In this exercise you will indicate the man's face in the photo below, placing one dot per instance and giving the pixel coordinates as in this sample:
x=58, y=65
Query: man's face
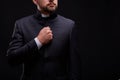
x=46, y=6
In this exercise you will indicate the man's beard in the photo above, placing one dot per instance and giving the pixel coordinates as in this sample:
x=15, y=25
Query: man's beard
x=49, y=9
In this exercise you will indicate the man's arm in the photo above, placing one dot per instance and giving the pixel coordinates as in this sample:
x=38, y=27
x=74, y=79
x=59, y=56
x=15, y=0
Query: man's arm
x=74, y=56
x=18, y=51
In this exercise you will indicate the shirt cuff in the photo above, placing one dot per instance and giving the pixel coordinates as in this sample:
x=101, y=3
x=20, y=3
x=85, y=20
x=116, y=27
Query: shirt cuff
x=39, y=45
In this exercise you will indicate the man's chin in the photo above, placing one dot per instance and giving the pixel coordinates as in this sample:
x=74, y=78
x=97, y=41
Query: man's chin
x=51, y=10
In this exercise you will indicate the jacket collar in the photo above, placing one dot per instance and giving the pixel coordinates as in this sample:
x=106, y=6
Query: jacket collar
x=39, y=17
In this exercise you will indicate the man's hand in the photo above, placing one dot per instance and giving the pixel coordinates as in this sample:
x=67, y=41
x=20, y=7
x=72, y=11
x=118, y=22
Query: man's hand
x=45, y=35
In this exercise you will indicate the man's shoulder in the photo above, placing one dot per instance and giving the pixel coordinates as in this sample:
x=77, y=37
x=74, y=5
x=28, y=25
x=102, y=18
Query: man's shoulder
x=65, y=19
x=25, y=19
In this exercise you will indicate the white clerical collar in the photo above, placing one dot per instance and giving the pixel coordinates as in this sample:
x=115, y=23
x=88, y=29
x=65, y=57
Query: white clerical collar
x=44, y=16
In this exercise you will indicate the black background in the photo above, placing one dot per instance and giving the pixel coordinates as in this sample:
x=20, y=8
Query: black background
x=97, y=35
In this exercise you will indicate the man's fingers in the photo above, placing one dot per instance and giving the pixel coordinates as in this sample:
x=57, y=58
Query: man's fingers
x=49, y=31
x=50, y=36
x=47, y=28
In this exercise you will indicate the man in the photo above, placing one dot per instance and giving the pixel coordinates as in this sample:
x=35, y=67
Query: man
x=41, y=42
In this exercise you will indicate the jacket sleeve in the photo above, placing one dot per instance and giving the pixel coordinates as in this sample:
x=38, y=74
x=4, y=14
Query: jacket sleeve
x=74, y=56
x=18, y=51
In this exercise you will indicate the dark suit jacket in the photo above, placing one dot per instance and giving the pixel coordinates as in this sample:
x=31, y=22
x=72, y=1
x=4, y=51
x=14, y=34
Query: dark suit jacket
x=51, y=62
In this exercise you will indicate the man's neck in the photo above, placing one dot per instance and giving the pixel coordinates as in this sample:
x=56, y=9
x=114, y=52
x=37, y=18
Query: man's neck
x=39, y=15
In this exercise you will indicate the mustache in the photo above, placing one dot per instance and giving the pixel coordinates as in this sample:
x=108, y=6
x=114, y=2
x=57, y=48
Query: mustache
x=51, y=3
